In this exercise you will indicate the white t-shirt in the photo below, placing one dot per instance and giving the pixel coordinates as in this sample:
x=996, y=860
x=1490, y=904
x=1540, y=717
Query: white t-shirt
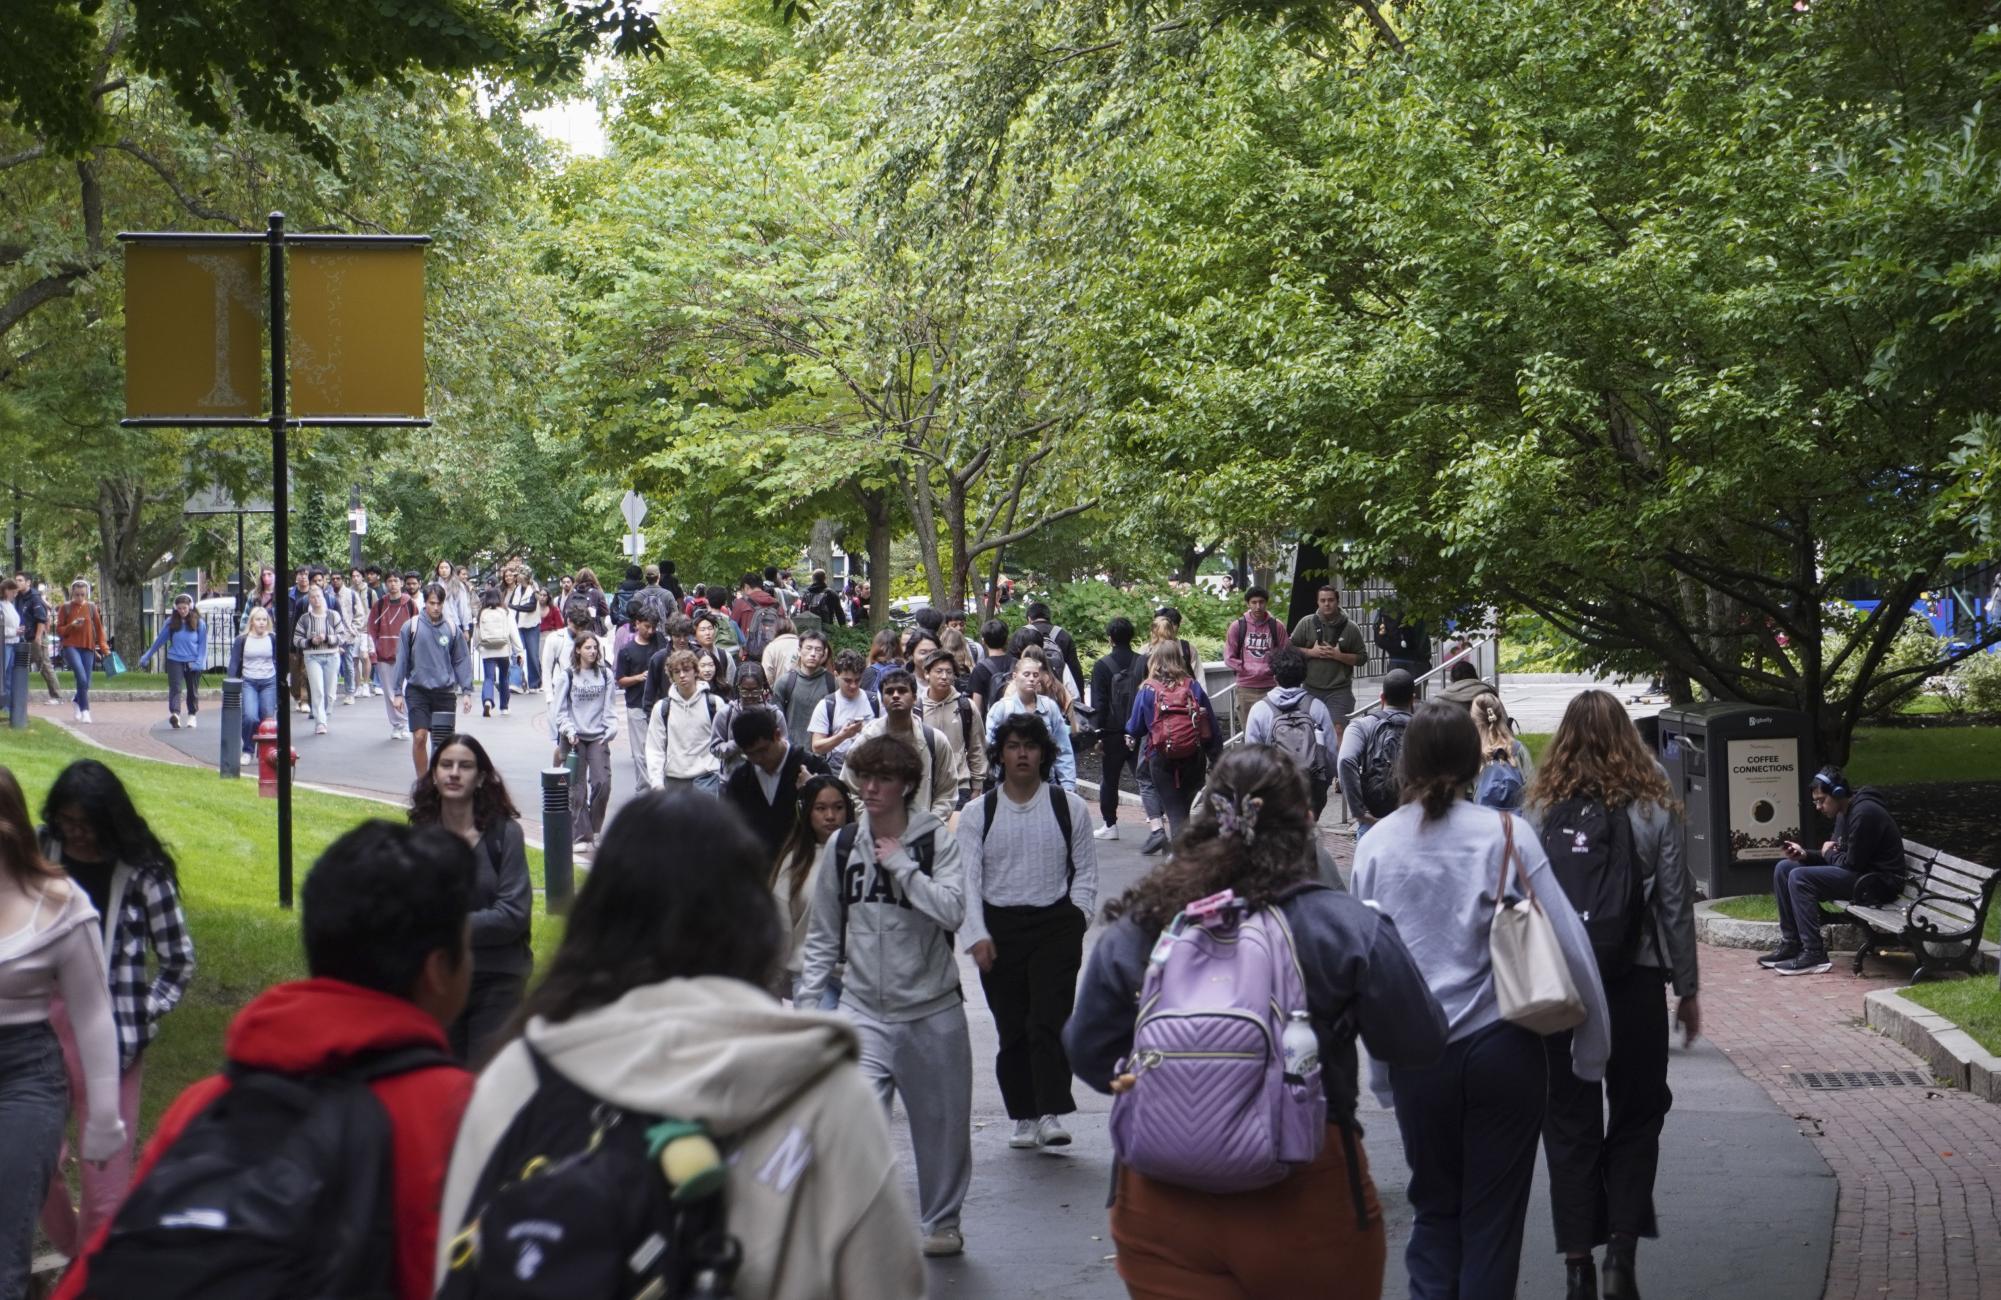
x=10, y=623
x=837, y=711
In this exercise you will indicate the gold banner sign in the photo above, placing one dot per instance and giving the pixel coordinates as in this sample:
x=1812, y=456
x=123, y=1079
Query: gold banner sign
x=356, y=342
x=194, y=330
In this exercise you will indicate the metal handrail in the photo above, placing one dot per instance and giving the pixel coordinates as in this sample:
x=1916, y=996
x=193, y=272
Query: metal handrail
x=1430, y=673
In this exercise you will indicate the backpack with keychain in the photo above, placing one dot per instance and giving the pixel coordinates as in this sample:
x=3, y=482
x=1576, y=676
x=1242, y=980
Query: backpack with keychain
x=1590, y=848
x=1212, y=1106
x=582, y=1198
x=1180, y=723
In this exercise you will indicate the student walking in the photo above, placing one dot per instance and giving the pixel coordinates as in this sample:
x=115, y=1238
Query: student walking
x=433, y=669
x=385, y=630
x=839, y=717
x=1317, y=1230
x=1505, y=766
x=799, y=691
x=654, y=1009
x=96, y=836
x=630, y=669
x=1471, y=1122
x=351, y=600
x=1617, y=841
x=1334, y=648
x=680, y=735
x=463, y=793
x=1175, y=729
x=34, y=612
x=1290, y=719
x=184, y=636
x=821, y=808
x=318, y=636
x=500, y=648
x=953, y=716
x=939, y=787
x=1031, y=884
x=1031, y=691
x=767, y=786
x=51, y=951
x=751, y=695
x=1115, y=682
x=889, y=894
x=523, y=599
x=80, y=629
x=253, y=660
x=585, y=708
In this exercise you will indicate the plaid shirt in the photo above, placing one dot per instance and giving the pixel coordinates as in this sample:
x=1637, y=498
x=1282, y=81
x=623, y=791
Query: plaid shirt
x=149, y=916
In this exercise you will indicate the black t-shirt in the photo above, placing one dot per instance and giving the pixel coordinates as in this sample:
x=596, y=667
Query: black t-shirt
x=984, y=672
x=95, y=877
x=632, y=662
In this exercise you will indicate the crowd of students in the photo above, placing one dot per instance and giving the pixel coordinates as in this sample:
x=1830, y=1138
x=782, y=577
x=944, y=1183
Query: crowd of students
x=837, y=833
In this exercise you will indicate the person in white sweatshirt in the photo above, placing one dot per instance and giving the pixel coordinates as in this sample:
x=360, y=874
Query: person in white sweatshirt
x=670, y=1018
x=587, y=707
x=680, y=733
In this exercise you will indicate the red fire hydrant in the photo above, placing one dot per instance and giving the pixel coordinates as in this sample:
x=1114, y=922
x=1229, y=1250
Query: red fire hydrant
x=267, y=758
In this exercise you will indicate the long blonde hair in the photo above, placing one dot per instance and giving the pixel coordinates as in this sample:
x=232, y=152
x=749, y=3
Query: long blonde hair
x=1164, y=661
x=1597, y=753
x=1497, y=738
x=1054, y=683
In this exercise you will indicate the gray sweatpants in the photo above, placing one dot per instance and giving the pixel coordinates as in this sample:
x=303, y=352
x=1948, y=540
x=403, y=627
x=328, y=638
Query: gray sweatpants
x=635, y=736
x=930, y=1062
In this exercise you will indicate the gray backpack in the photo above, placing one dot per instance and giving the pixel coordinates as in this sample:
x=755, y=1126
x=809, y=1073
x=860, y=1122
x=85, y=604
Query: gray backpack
x=1292, y=730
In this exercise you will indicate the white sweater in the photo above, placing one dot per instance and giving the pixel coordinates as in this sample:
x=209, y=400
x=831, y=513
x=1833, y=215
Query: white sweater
x=679, y=736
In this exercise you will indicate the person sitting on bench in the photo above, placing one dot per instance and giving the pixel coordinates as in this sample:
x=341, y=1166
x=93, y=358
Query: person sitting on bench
x=1866, y=843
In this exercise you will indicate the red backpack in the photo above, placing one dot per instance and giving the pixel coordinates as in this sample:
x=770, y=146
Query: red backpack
x=1180, y=724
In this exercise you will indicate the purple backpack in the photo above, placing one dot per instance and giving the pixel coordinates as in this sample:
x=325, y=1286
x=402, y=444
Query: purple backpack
x=1211, y=1107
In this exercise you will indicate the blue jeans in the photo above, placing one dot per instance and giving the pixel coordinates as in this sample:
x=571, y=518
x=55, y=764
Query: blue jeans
x=1800, y=888
x=34, y=1106
x=531, y=641
x=81, y=663
x=492, y=671
x=260, y=701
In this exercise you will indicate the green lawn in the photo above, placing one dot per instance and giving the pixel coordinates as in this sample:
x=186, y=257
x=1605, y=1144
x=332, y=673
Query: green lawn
x=1974, y=1004
x=100, y=681
x=1761, y=907
x=224, y=839
x=1907, y=755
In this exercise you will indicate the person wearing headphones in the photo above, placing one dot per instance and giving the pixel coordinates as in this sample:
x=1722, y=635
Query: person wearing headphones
x=1864, y=860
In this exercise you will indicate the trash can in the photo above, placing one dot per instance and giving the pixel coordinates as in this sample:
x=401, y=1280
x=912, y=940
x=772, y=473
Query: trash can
x=1741, y=771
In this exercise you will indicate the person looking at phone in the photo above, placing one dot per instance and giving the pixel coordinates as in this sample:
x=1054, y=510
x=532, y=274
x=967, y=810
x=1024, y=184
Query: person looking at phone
x=1863, y=860
x=839, y=718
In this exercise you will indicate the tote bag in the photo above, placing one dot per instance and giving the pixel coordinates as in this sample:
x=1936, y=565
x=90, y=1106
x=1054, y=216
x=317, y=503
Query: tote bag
x=1532, y=983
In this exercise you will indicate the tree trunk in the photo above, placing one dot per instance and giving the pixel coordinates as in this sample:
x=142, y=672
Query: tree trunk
x=820, y=545
x=129, y=550
x=1240, y=566
x=923, y=504
x=876, y=509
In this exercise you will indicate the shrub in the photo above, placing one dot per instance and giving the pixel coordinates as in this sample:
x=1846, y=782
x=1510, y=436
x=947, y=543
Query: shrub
x=1977, y=683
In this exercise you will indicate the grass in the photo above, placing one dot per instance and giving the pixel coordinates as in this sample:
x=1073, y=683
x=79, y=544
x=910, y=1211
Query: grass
x=1974, y=1004
x=224, y=841
x=102, y=681
x=1762, y=907
x=1906, y=756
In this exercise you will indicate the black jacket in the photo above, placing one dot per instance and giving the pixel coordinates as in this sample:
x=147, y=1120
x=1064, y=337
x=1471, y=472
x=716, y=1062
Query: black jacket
x=34, y=612
x=772, y=820
x=502, y=901
x=1866, y=836
x=826, y=603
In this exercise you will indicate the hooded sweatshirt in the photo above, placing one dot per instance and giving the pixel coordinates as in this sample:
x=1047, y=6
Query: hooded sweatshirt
x=898, y=934
x=1258, y=726
x=316, y=1026
x=1465, y=691
x=431, y=656
x=680, y=736
x=814, y=1194
x=589, y=704
x=1248, y=648
x=797, y=694
x=959, y=723
x=1866, y=836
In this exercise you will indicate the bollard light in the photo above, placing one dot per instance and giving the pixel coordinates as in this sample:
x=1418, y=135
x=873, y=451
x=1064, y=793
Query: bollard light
x=231, y=762
x=556, y=874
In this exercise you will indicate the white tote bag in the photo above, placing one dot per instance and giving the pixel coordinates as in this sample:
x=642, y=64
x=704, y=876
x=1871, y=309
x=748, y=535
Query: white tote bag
x=1532, y=981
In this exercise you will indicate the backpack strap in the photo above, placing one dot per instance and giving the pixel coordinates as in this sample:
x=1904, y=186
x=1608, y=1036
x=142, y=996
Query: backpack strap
x=844, y=847
x=1059, y=804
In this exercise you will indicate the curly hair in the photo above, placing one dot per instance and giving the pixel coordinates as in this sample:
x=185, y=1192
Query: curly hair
x=1597, y=753
x=1207, y=860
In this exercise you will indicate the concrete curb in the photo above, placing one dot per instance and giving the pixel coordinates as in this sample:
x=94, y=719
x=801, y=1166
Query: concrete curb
x=1712, y=927
x=1951, y=1052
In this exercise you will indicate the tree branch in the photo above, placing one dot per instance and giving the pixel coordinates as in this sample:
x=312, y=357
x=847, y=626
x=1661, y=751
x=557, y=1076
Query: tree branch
x=1026, y=530
x=187, y=200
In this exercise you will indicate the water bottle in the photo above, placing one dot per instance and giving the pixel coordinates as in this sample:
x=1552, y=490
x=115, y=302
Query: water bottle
x=1301, y=1046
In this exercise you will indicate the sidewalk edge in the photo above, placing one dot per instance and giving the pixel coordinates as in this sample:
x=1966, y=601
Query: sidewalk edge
x=1949, y=1050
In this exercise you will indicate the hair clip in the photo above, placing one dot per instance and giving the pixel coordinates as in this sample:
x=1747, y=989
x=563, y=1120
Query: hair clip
x=1237, y=817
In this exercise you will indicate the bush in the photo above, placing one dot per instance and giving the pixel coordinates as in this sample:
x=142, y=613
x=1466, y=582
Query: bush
x=1976, y=681
x=1083, y=609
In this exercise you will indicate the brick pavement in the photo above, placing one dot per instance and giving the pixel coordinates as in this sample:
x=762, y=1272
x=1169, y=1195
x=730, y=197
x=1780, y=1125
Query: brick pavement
x=1919, y=1168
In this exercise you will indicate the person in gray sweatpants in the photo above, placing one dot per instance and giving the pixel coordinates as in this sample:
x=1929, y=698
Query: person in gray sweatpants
x=889, y=893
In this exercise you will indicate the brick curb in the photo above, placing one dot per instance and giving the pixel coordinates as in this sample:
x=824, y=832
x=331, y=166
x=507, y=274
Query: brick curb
x=1952, y=1053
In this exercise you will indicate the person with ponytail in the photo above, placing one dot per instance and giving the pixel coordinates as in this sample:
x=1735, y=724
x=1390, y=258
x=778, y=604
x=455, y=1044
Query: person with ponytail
x=1471, y=1121
x=1252, y=833
x=1505, y=765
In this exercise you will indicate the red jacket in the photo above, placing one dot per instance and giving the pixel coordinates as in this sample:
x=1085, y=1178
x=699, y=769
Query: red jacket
x=314, y=1025
x=746, y=606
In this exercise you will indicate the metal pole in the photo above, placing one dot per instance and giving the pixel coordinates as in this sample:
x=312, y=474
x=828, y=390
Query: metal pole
x=19, y=563
x=231, y=762
x=444, y=725
x=17, y=689
x=280, y=543
x=242, y=588
x=353, y=537
x=557, y=879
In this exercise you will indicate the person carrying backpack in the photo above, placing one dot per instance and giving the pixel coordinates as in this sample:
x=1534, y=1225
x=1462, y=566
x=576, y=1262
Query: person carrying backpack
x=1608, y=821
x=1505, y=765
x=1115, y=683
x=952, y=716
x=1368, y=759
x=1189, y=1214
x=1248, y=648
x=498, y=643
x=340, y=1084
x=1471, y=1121
x=888, y=897
x=652, y=1029
x=1175, y=728
x=1290, y=719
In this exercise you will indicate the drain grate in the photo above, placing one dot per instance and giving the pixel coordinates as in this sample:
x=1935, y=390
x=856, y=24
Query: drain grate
x=1831, y=1080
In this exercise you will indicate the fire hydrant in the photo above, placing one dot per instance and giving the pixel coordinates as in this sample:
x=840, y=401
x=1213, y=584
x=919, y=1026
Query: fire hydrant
x=267, y=758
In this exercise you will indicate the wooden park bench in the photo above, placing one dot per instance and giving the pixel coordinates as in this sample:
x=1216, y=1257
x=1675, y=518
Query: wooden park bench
x=1938, y=917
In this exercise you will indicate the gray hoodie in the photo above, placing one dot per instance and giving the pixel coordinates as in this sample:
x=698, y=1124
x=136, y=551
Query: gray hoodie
x=814, y=1194
x=899, y=924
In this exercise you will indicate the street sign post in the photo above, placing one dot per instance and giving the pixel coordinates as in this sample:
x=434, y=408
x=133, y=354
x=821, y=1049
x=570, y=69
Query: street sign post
x=194, y=331
x=633, y=507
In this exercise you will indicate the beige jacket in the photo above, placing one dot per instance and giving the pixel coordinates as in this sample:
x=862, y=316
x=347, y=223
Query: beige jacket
x=814, y=1194
x=969, y=763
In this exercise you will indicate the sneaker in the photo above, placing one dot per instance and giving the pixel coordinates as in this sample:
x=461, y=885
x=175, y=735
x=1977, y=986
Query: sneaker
x=1110, y=832
x=190, y=723
x=174, y=721
x=486, y=709
x=1156, y=842
x=1024, y=1138
x=1807, y=963
x=84, y=717
x=375, y=691
x=398, y=733
x=581, y=847
x=55, y=701
x=346, y=699
x=505, y=714
x=1049, y=1131
x=1784, y=953
x=945, y=1241
x=320, y=730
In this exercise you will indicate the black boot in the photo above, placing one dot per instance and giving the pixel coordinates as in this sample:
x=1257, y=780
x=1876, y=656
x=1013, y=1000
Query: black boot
x=1580, y=1279
x=1620, y=1283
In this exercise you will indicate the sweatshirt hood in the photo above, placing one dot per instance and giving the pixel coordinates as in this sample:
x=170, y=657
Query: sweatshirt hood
x=709, y=1048
x=1284, y=697
x=314, y=1025
x=1870, y=794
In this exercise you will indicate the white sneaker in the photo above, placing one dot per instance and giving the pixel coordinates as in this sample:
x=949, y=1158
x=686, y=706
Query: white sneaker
x=1106, y=832
x=1049, y=1132
x=505, y=714
x=1024, y=1138
x=84, y=717
x=320, y=730
x=581, y=847
x=347, y=699
x=190, y=723
x=174, y=721
x=945, y=1241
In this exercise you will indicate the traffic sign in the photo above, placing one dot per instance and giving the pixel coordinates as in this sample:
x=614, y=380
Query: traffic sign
x=635, y=544
x=633, y=507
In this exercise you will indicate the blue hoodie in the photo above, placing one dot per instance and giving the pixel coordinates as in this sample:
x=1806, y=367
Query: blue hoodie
x=183, y=646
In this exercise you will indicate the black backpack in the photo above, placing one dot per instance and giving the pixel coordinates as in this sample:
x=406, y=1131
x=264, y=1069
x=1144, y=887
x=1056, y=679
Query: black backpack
x=1590, y=849
x=282, y=1187
x=573, y=1203
x=1125, y=690
x=1382, y=788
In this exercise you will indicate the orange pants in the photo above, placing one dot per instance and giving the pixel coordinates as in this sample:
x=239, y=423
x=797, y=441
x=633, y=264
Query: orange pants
x=1298, y=1237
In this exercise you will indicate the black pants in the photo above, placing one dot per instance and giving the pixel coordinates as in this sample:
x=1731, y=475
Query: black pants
x=1176, y=781
x=492, y=1001
x=1117, y=754
x=1469, y=1127
x=1601, y=1170
x=1031, y=989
